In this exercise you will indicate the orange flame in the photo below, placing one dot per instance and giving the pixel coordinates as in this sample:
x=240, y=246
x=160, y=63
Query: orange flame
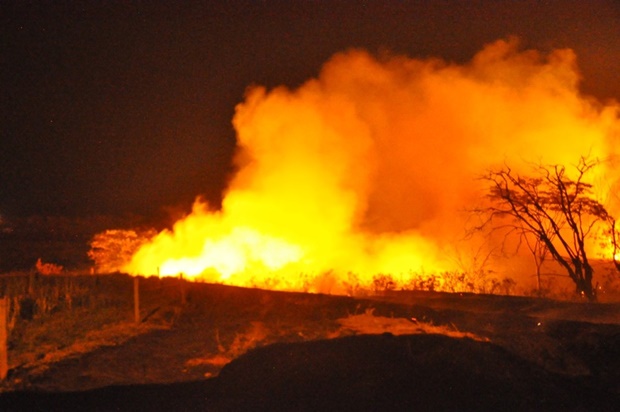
x=366, y=169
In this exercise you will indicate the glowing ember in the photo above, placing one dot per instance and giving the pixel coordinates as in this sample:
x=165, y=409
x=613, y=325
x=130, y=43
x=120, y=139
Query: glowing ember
x=365, y=170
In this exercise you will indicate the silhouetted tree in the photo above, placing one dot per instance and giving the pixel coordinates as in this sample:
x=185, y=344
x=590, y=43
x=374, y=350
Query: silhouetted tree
x=539, y=252
x=557, y=211
x=614, y=237
x=113, y=249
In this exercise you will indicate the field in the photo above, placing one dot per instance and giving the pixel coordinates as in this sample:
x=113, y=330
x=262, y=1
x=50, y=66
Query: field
x=200, y=346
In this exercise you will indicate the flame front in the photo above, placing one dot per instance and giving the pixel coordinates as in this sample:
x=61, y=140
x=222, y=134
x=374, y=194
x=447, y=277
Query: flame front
x=366, y=169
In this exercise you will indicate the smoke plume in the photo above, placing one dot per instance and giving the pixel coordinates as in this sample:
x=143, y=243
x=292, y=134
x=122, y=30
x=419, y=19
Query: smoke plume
x=369, y=168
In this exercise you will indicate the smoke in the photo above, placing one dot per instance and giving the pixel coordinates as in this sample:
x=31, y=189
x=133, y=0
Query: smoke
x=370, y=167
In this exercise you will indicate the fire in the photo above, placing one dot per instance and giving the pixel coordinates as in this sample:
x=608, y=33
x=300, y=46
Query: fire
x=606, y=247
x=367, y=169
x=242, y=249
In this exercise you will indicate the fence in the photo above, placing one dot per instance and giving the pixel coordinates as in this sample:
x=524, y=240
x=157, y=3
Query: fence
x=27, y=297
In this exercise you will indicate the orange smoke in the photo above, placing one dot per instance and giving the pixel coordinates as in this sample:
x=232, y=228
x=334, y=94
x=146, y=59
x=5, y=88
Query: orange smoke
x=368, y=169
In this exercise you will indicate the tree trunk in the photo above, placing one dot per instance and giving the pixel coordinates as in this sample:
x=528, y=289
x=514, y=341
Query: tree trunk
x=590, y=292
x=584, y=288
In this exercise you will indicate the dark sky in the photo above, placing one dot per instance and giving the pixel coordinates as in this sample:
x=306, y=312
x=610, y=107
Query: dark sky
x=111, y=108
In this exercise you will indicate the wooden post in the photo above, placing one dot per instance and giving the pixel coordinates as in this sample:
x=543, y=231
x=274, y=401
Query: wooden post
x=4, y=355
x=136, y=299
x=183, y=294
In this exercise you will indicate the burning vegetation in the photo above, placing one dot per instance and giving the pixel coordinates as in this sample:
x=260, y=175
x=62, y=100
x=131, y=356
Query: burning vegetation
x=371, y=171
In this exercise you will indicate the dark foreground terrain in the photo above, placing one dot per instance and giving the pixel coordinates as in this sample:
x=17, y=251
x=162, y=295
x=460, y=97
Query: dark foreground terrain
x=230, y=349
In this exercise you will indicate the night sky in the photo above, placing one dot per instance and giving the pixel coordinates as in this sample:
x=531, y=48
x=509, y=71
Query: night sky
x=116, y=108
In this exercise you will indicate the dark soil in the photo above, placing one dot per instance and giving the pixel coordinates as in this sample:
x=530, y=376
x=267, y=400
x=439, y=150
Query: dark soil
x=533, y=355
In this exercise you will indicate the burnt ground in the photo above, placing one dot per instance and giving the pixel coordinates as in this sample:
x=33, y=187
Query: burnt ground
x=287, y=351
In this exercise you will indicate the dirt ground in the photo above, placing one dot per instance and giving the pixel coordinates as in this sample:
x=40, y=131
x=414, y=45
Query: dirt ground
x=228, y=348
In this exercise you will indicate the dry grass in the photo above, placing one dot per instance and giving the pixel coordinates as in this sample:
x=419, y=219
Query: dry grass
x=108, y=335
x=61, y=317
x=368, y=323
x=219, y=324
x=255, y=335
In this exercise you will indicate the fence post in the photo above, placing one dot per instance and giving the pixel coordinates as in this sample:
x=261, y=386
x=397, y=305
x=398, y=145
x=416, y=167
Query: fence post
x=136, y=299
x=183, y=293
x=4, y=356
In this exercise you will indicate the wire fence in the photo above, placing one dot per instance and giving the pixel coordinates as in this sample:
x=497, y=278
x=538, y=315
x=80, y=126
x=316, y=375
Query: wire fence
x=32, y=299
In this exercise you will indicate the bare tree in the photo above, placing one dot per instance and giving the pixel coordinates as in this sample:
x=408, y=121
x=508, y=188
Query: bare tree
x=539, y=252
x=558, y=211
x=614, y=237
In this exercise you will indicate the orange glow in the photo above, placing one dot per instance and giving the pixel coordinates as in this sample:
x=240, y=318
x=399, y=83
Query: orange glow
x=367, y=169
x=605, y=248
